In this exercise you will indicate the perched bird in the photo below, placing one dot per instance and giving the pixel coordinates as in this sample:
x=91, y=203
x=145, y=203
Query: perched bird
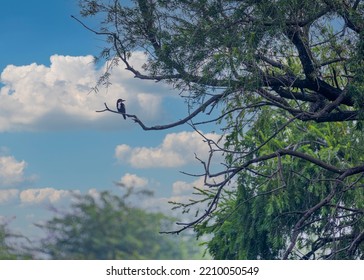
x=120, y=106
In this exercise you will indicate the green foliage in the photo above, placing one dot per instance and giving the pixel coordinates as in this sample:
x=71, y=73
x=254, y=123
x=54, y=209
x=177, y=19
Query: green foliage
x=288, y=78
x=4, y=248
x=107, y=227
x=9, y=247
x=258, y=220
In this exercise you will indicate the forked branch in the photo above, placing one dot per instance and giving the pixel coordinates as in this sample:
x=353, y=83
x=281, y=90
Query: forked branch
x=200, y=109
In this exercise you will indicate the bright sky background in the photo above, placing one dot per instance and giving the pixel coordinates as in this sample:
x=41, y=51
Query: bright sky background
x=51, y=139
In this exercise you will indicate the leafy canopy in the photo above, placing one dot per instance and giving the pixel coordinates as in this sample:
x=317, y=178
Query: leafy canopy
x=107, y=227
x=288, y=76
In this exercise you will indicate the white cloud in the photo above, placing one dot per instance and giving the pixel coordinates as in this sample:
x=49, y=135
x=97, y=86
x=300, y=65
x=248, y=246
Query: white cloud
x=11, y=171
x=94, y=193
x=9, y=194
x=38, y=97
x=181, y=192
x=35, y=196
x=177, y=149
x=122, y=152
x=182, y=187
x=151, y=104
x=184, y=192
x=132, y=180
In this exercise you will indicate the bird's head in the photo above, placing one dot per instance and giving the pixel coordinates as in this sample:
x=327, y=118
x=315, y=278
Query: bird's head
x=121, y=100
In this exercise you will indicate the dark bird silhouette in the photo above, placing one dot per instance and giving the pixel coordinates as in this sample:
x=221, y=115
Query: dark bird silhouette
x=121, y=107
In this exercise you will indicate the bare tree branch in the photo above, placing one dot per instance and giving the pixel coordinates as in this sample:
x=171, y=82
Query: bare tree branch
x=201, y=108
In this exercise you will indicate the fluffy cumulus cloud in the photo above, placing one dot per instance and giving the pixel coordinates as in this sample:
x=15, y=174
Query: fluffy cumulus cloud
x=11, y=171
x=182, y=187
x=181, y=192
x=93, y=193
x=35, y=196
x=132, y=180
x=39, y=97
x=177, y=149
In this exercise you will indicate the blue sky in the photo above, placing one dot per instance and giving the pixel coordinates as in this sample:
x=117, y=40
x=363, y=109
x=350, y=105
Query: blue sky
x=51, y=139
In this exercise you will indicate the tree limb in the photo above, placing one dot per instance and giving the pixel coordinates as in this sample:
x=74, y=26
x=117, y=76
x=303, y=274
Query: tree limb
x=201, y=108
